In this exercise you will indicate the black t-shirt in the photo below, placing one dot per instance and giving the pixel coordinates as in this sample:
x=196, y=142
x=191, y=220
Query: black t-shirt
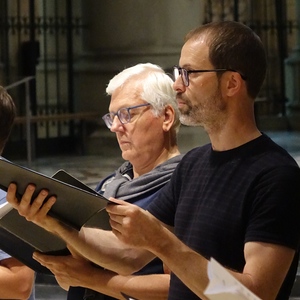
x=218, y=201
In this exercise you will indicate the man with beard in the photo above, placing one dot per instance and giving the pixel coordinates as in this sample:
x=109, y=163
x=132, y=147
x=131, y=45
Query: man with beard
x=236, y=200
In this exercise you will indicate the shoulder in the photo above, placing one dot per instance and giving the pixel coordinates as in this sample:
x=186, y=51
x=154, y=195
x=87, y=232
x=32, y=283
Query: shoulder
x=197, y=152
x=124, y=171
x=195, y=157
x=272, y=155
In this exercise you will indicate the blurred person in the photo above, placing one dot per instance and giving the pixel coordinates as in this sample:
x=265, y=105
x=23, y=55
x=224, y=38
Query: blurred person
x=16, y=279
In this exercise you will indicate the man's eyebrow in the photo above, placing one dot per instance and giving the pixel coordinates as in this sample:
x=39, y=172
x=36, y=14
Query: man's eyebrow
x=187, y=66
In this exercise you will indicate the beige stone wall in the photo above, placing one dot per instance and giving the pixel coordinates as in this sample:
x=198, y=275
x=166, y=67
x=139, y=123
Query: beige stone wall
x=123, y=33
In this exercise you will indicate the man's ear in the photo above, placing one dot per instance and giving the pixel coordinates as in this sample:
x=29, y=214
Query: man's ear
x=169, y=117
x=234, y=83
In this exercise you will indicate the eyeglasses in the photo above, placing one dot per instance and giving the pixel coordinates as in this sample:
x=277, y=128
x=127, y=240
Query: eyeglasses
x=123, y=115
x=178, y=71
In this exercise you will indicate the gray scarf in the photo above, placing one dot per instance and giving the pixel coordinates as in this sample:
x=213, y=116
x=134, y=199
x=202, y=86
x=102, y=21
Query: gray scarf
x=122, y=186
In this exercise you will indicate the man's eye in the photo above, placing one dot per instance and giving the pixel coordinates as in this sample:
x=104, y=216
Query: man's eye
x=132, y=114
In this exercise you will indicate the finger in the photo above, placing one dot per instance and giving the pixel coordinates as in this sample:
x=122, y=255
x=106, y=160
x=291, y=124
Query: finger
x=38, y=257
x=11, y=195
x=55, y=266
x=117, y=209
x=27, y=196
x=25, y=202
x=116, y=233
x=42, y=261
x=113, y=201
x=37, y=203
x=114, y=225
x=39, y=207
x=42, y=205
x=117, y=227
x=45, y=259
x=116, y=218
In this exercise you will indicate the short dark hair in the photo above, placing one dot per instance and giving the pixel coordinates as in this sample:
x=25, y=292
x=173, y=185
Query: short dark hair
x=7, y=116
x=233, y=45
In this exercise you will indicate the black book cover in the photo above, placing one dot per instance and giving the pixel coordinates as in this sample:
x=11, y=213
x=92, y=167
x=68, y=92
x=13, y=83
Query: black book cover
x=76, y=204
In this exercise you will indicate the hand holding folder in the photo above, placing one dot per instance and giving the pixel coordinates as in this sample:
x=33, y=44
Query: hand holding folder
x=75, y=206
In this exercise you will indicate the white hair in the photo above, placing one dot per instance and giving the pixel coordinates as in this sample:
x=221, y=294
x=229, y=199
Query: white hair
x=157, y=87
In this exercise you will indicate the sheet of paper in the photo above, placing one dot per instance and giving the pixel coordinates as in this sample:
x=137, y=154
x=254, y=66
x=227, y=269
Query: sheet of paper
x=224, y=286
x=5, y=207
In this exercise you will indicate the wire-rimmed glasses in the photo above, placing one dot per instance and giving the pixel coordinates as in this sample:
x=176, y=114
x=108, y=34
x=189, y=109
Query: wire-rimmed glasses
x=123, y=115
x=184, y=73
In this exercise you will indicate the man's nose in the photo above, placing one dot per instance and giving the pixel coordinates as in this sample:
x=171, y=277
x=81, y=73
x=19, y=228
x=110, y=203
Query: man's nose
x=116, y=124
x=178, y=85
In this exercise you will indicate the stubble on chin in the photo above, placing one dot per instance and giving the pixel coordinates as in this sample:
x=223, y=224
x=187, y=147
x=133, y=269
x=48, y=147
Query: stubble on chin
x=189, y=116
x=188, y=121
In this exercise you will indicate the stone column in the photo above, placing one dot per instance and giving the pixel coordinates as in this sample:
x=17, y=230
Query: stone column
x=122, y=33
x=292, y=72
x=52, y=72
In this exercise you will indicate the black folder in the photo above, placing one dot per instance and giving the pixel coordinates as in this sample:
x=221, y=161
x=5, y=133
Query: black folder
x=76, y=204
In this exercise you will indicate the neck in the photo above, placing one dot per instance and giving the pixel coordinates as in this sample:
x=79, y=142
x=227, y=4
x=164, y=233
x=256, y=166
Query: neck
x=166, y=154
x=236, y=125
x=232, y=134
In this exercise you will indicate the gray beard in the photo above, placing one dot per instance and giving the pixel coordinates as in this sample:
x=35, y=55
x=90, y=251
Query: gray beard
x=189, y=121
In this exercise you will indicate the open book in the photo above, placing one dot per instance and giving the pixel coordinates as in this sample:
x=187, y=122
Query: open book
x=223, y=286
x=76, y=206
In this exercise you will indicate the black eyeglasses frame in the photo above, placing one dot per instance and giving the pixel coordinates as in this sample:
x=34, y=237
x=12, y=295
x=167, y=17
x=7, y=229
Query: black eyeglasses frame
x=184, y=73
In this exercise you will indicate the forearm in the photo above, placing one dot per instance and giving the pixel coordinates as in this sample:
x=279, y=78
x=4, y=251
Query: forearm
x=189, y=266
x=16, y=280
x=104, y=249
x=192, y=269
x=147, y=287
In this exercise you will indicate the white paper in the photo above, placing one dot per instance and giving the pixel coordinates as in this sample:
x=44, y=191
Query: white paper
x=223, y=286
x=5, y=207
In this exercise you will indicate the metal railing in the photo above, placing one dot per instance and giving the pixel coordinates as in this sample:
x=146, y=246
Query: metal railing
x=29, y=118
x=28, y=114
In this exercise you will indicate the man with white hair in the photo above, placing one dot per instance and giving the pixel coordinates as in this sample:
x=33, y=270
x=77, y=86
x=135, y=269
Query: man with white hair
x=144, y=116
